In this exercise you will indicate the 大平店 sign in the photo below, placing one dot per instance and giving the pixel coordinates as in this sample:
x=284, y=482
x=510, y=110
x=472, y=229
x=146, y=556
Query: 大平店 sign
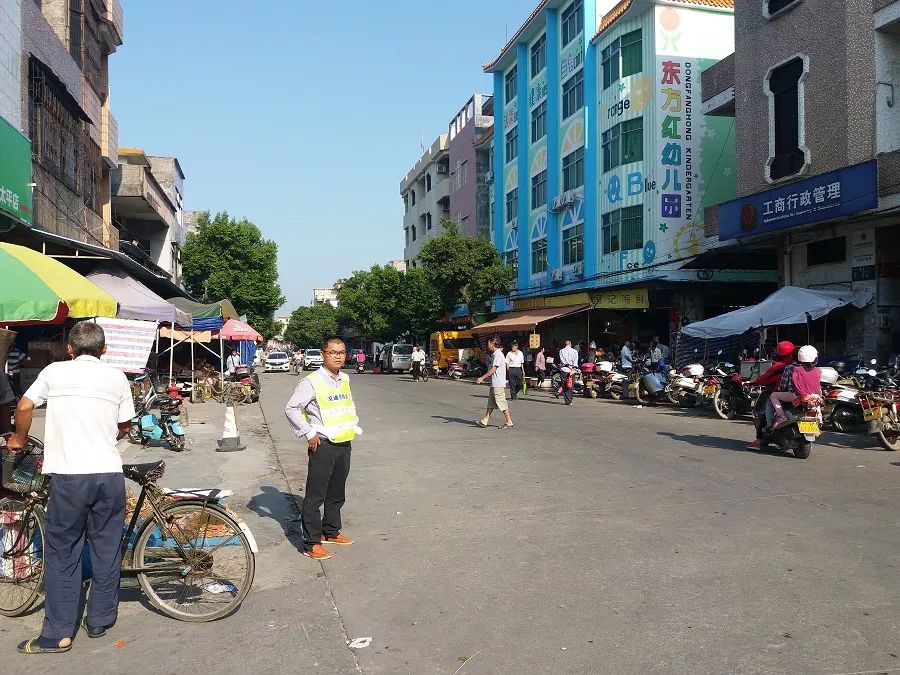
x=15, y=174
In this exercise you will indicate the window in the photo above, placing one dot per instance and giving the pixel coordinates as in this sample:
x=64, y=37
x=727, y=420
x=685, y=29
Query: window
x=511, y=84
x=539, y=190
x=784, y=85
x=413, y=197
x=75, y=30
x=427, y=221
x=462, y=171
x=539, y=122
x=539, y=255
x=512, y=144
x=775, y=6
x=406, y=203
x=571, y=22
x=623, y=230
x=573, y=244
x=511, y=198
x=623, y=143
x=573, y=170
x=427, y=182
x=573, y=94
x=512, y=258
x=539, y=55
x=623, y=57
x=826, y=251
x=413, y=232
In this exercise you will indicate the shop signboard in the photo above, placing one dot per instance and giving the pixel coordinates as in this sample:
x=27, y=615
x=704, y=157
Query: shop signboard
x=15, y=174
x=830, y=195
x=567, y=300
x=628, y=298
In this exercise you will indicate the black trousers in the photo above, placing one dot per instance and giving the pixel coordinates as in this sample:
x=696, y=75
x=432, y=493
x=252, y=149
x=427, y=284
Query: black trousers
x=514, y=375
x=416, y=369
x=568, y=392
x=80, y=505
x=326, y=477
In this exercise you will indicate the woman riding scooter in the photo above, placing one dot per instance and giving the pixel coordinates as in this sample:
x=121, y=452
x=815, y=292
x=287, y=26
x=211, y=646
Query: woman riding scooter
x=771, y=379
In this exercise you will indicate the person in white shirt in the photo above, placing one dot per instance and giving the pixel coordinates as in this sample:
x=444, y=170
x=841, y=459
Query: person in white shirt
x=232, y=362
x=568, y=360
x=515, y=367
x=89, y=408
x=497, y=395
x=418, y=360
x=664, y=350
x=626, y=357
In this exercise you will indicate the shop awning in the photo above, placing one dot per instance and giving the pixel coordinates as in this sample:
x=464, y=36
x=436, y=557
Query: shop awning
x=788, y=305
x=136, y=301
x=205, y=317
x=526, y=320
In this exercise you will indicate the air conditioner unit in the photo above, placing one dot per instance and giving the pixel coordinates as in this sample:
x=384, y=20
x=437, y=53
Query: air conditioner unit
x=558, y=202
x=441, y=168
x=569, y=198
x=514, y=224
x=489, y=177
x=578, y=269
x=556, y=276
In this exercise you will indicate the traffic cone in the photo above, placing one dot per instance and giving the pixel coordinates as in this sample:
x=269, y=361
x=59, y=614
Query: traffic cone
x=230, y=441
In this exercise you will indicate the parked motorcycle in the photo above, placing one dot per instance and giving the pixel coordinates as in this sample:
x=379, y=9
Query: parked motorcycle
x=558, y=376
x=881, y=410
x=146, y=426
x=607, y=381
x=249, y=383
x=471, y=367
x=801, y=430
x=686, y=388
x=735, y=396
x=647, y=381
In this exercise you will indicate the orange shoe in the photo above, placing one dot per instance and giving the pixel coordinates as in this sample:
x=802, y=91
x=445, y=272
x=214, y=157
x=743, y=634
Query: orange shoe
x=318, y=552
x=339, y=539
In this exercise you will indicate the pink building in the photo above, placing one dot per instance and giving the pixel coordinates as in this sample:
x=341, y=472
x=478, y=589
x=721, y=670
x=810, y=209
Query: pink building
x=469, y=187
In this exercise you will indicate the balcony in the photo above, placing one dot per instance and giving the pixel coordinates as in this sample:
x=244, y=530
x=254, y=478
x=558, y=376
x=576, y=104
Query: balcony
x=113, y=24
x=136, y=195
x=717, y=84
x=109, y=139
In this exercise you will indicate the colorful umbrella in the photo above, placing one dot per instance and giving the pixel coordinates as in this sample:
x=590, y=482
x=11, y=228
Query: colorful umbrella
x=238, y=330
x=35, y=288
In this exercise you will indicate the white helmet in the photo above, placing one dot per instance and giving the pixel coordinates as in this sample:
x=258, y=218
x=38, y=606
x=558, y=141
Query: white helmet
x=807, y=354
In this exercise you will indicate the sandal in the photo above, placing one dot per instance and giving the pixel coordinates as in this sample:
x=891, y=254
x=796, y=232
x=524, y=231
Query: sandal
x=479, y=423
x=507, y=426
x=93, y=631
x=48, y=646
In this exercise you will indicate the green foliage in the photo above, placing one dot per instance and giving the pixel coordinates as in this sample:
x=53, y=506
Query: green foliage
x=267, y=327
x=420, y=304
x=310, y=325
x=228, y=258
x=464, y=269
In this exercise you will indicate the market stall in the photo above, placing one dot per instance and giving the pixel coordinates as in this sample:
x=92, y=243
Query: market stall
x=245, y=335
x=205, y=317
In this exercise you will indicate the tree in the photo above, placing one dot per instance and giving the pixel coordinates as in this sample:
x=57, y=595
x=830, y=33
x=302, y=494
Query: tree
x=420, y=304
x=310, y=325
x=368, y=302
x=464, y=269
x=229, y=259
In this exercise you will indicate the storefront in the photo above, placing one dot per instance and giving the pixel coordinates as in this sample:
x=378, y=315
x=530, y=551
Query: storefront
x=15, y=178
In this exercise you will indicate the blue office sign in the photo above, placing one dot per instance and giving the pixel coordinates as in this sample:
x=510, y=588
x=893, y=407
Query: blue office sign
x=830, y=195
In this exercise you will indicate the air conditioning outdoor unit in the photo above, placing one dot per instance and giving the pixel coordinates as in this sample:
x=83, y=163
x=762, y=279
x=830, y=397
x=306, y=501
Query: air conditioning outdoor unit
x=556, y=276
x=578, y=269
x=514, y=224
x=441, y=168
x=558, y=202
x=569, y=198
x=489, y=177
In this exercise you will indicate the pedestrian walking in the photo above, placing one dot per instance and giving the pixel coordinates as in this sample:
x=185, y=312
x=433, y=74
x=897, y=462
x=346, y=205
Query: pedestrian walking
x=497, y=394
x=568, y=361
x=89, y=408
x=515, y=370
x=540, y=366
x=322, y=412
x=418, y=360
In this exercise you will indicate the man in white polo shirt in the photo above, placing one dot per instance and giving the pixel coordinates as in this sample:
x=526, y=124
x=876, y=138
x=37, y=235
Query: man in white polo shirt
x=89, y=407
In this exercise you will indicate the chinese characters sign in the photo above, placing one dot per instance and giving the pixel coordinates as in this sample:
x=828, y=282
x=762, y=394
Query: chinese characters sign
x=537, y=90
x=632, y=298
x=15, y=173
x=571, y=58
x=830, y=195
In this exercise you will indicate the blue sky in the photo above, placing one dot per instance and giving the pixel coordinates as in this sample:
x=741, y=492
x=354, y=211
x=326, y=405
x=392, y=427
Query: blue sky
x=303, y=116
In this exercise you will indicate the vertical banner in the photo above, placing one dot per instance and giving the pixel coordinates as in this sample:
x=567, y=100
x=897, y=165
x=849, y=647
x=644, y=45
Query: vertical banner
x=128, y=343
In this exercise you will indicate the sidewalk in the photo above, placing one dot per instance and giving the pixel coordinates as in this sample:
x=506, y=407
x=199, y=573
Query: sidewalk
x=287, y=620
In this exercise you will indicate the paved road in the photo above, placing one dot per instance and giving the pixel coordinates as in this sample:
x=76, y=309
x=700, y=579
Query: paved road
x=603, y=538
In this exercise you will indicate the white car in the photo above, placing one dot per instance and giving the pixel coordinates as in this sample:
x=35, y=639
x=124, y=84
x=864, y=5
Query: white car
x=278, y=362
x=312, y=358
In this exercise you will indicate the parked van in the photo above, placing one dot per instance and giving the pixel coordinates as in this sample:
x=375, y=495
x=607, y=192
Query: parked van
x=459, y=345
x=396, y=356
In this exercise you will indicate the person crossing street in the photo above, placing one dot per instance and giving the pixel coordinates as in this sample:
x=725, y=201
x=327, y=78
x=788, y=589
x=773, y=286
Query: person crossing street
x=497, y=394
x=418, y=362
x=515, y=367
x=568, y=361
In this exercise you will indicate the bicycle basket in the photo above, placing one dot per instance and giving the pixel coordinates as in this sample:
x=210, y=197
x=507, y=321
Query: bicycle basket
x=21, y=469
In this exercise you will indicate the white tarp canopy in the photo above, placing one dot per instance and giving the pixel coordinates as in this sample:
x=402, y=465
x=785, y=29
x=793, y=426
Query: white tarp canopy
x=788, y=305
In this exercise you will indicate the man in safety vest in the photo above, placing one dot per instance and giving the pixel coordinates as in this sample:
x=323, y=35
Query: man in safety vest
x=321, y=411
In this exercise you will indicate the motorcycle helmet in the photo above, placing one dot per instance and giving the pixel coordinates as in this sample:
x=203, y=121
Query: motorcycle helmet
x=784, y=348
x=807, y=354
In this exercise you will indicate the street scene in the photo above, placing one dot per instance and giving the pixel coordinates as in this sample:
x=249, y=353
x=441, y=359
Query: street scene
x=622, y=397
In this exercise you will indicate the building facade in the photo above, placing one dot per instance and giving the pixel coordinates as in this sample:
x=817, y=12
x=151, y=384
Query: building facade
x=469, y=193
x=426, y=199
x=323, y=295
x=811, y=92
x=603, y=163
x=168, y=173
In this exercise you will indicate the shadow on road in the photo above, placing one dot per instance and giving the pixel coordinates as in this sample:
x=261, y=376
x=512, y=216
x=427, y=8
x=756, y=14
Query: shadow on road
x=895, y=463
x=283, y=508
x=454, y=420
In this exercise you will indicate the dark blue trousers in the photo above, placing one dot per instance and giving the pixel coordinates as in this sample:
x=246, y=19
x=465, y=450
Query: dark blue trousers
x=82, y=505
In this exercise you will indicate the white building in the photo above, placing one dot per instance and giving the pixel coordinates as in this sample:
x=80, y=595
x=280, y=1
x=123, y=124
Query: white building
x=426, y=198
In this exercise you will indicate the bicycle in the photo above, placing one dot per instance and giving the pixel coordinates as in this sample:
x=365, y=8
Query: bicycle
x=194, y=560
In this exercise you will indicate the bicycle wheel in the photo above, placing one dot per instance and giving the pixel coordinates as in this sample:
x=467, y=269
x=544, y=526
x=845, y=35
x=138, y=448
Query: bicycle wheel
x=21, y=559
x=424, y=374
x=204, y=565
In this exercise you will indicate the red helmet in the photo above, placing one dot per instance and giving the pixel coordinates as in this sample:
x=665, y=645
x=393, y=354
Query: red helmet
x=785, y=348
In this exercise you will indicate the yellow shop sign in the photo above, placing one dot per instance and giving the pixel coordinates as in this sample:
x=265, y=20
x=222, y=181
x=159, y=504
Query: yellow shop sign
x=552, y=301
x=632, y=298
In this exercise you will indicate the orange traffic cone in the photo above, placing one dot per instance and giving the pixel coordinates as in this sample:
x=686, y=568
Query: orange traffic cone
x=230, y=440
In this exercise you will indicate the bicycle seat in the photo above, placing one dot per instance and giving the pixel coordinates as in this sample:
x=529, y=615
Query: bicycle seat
x=144, y=473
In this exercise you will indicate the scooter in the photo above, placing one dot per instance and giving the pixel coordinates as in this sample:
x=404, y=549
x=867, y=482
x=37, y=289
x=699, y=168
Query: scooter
x=360, y=366
x=146, y=427
x=735, y=396
x=647, y=381
x=472, y=367
x=801, y=430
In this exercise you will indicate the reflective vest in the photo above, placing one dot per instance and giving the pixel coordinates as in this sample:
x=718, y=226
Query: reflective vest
x=336, y=408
